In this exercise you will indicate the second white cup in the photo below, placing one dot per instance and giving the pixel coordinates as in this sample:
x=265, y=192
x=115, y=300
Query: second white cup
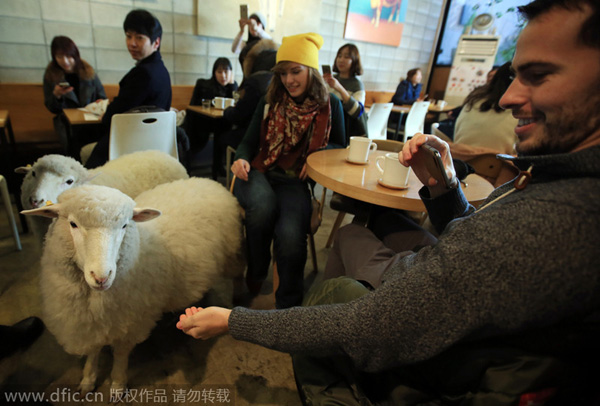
x=358, y=151
x=223, y=102
x=393, y=173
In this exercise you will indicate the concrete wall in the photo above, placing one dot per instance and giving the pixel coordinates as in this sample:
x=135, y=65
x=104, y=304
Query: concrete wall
x=28, y=26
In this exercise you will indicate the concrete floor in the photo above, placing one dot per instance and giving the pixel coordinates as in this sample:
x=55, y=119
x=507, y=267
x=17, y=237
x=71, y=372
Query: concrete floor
x=223, y=370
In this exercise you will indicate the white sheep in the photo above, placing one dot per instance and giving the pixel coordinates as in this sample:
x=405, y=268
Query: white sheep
x=132, y=174
x=107, y=278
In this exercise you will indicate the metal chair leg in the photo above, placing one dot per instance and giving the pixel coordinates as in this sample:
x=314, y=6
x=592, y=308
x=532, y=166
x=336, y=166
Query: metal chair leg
x=9, y=212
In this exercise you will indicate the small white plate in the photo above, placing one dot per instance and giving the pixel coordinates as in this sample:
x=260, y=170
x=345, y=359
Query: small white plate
x=380, y=181
x=357, y=163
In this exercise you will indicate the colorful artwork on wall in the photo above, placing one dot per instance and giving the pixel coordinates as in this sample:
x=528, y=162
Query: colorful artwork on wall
x=378, y=21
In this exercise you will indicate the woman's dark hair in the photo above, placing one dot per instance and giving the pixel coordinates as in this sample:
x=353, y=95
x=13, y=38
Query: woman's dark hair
x=65, y=46
x=492, y=92
x=316, y=88
x=221, y=63
x=411, y=73
x=356, y=68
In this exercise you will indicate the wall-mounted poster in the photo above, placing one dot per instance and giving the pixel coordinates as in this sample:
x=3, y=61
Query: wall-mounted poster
x=378, y=21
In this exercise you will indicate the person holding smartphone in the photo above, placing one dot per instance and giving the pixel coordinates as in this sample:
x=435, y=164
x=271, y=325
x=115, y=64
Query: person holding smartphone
x=349, y=88
x=257, y=25
x=69, y=82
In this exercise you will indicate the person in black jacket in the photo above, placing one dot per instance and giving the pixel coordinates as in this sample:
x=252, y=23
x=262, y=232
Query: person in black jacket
x=257, y=73
x=147, y=84
x=220, y=84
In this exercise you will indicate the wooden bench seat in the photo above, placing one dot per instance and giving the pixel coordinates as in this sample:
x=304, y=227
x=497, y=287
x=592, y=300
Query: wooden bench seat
x=377, y=97
x=32, y=122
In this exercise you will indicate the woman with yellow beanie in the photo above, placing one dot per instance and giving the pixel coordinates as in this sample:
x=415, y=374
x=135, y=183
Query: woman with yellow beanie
x=296, y=118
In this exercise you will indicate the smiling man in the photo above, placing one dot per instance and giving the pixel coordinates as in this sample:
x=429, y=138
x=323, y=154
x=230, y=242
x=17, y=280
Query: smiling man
x=147, y=84
x=503, y=308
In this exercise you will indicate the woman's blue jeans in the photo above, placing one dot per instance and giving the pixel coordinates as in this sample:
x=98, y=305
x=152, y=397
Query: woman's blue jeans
x=277, y=209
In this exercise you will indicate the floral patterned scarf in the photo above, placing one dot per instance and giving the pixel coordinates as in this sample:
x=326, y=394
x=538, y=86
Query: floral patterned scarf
x=288, y=125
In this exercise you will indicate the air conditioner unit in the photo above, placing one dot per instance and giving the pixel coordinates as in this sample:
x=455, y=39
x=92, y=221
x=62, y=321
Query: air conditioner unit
x=474, y=58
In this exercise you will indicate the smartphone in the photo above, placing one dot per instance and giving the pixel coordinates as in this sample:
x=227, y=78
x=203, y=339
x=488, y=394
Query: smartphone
x=326, y=69
x=244, y=11
x=435, y=166
x=64, y=84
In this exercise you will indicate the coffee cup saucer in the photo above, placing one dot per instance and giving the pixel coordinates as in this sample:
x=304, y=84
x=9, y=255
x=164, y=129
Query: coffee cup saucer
x=382, y=183
x=357, y=163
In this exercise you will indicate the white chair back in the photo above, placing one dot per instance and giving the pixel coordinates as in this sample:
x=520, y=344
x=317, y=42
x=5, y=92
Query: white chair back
x=133, y=132
x=378, y=119
x=415, y=121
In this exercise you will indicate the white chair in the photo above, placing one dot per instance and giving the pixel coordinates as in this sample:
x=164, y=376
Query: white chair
x=415, y=121
x=9, y=212
x=378, y=118
x=133, y=132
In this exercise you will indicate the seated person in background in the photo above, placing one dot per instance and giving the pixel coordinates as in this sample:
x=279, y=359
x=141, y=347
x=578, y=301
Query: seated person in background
x=349, y=89
x=409, y=90
x=482, y=122
x=504, y=308
x=147, y=84
x=220, y=84
x=257, y=73
x=257, y=24
x=447, y=126
x=296, y=118
x=83, y=87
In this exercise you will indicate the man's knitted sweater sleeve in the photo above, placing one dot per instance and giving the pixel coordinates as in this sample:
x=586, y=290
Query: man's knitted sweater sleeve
x=525, y=262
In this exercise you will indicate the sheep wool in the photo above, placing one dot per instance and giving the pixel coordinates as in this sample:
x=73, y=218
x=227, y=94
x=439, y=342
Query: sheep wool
x=110, y=270
x=132, y=174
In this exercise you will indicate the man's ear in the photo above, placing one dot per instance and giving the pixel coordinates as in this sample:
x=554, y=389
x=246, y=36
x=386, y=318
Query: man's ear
x=51, y=211
x=141, y=215
x=156, y=43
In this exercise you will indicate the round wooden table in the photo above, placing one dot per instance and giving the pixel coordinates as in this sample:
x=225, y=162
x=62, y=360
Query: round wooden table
x=330, y=169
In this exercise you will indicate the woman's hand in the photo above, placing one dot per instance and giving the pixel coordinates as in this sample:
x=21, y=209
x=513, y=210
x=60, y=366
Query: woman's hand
x=240, y=169
x=243, y=22
x=336, y=85
x=411, y=156
x=204, y=323
x=60, y=91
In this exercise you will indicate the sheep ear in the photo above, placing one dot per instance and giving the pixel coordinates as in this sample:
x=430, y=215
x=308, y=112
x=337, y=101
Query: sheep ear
x=141, y=215
x=24, y=170
x=50, y=211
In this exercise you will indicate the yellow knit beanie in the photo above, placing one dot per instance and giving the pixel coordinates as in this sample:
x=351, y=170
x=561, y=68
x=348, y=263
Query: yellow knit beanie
x=301, y=48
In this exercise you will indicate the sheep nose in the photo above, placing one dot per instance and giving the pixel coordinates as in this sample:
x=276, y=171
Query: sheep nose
x=36, y=203
x=101, y=281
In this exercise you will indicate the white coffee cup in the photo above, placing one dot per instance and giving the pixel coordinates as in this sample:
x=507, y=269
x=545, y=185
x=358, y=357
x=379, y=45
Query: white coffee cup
x=228, y=102
x=219, y=102
x=393, y=173
x=358, y=150
x=441, y=103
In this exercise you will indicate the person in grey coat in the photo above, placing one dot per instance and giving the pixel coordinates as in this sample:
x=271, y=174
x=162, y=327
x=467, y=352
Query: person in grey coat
x=504, y=308
x=69, y=83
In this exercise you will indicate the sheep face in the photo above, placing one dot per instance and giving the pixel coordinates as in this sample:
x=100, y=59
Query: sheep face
x=48, y=178
x=98, y=219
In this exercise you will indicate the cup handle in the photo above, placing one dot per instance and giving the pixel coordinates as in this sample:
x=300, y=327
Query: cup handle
x=213, y=103
x=377, y=162
x=373, y=147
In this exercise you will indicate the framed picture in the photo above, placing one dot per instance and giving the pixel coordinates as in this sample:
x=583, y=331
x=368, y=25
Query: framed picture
x=378, y=21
